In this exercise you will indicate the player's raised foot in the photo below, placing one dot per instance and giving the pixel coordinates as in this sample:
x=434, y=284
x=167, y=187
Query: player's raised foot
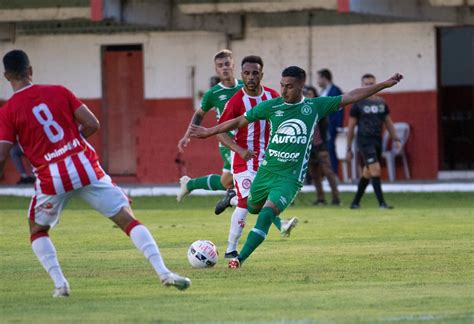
x=231, y=255
x=175, y=280
x=354, y=206
x=287, y=226
x=224, y=202
x=183, y=189
x=234, y=263
x=62, y=291
x=385, y=206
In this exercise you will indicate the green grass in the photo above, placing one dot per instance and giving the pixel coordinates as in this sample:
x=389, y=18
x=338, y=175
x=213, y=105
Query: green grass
x=410, y=264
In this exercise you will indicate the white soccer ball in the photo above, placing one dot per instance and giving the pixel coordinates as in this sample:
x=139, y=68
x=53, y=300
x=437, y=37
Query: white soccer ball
x=203, y=254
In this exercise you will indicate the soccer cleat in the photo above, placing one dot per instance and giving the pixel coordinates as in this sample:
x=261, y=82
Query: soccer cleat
x=234, y=263
x=231, y=255
x=385, y=206
x=287, y=226
x=175, y=280
x=63, y=291
x=183, y=190
x=224, y=202
x=354, y=206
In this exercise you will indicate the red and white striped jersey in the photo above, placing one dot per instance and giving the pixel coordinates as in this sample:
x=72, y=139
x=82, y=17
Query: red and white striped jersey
x=255, y=135
x=41, y=119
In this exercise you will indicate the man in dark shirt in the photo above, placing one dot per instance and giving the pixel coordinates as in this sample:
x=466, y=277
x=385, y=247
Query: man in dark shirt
x=329, y=89
x=369, y=115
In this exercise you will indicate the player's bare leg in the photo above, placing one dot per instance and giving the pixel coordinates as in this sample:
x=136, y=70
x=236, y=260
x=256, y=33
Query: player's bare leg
x=46, y=253
x=144, y=241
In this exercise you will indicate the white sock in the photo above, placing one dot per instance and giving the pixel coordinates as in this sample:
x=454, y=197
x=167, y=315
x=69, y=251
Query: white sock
x=46, y=253
x=141, y=237
x=237, y=224
x=233, y=201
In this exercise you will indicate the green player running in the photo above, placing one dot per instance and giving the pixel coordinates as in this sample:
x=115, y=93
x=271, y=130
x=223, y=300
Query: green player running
x=292, y=118
x=216, y=97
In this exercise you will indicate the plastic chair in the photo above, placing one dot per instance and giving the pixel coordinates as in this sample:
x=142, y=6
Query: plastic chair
x=341, y=154
x=403, y=132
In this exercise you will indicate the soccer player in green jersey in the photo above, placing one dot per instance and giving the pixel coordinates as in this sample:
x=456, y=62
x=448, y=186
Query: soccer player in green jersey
x=292, y=118
x=216, y=97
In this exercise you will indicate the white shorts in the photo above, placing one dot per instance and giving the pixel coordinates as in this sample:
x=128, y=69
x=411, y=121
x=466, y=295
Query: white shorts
x=242, y=182
x=103, y=196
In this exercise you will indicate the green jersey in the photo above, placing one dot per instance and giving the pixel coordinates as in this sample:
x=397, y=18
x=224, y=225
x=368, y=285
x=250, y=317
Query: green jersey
x=217, y=97
x=291, y=132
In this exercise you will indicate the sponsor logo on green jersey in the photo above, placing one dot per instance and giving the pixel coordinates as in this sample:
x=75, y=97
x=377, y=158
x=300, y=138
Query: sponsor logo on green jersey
x=292, y=131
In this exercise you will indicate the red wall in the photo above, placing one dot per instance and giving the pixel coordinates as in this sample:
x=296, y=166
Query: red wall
x=162, y=122
x=160, y=128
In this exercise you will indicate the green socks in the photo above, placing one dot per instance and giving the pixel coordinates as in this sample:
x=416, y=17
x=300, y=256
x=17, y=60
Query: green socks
x=258, y=233
x=209, y=182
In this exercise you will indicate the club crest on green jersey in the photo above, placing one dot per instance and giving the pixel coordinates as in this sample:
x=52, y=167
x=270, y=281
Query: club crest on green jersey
x=306, y=110
x=292, y=131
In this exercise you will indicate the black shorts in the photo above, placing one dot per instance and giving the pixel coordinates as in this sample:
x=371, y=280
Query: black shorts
x=370, y=149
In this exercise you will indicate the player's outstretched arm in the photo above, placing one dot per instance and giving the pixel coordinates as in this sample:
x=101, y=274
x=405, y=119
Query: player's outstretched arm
x=231, y=144
x=203, y=132
x=362, y=93
x=5, y=148
x=195, y=120
x=88, y=123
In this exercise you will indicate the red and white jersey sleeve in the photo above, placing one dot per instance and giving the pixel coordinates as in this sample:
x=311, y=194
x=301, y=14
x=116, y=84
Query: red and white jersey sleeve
x=255, y=135
x=41, y=119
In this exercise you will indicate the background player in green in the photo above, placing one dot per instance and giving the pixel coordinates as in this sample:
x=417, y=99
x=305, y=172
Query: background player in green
x=216, y=97
x=281, y=175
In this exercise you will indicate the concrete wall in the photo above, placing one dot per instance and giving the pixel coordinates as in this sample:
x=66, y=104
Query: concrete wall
x=349, y=51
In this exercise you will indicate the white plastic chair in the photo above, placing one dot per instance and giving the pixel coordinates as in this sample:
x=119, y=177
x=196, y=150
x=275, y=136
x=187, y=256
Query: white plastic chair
x=403, y=132
x=341, y=154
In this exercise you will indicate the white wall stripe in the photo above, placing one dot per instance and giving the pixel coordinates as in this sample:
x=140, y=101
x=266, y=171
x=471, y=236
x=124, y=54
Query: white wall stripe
x=153, y=191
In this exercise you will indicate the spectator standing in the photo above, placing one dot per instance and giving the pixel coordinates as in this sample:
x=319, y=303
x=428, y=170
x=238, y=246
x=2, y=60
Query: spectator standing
x=319, y=163
x=328, y=89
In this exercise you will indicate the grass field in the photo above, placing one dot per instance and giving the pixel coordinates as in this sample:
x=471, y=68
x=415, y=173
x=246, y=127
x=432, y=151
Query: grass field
x=413, y=263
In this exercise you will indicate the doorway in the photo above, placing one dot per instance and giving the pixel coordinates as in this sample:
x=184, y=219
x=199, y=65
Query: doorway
x=456, y=97
x=123, y=97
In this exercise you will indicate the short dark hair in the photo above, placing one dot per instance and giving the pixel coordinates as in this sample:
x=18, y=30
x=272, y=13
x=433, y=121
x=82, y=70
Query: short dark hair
x=295, y=72
x=222, y=54
x=252, y=59
x=325, y=73
x=16, y=63
x=368, y=76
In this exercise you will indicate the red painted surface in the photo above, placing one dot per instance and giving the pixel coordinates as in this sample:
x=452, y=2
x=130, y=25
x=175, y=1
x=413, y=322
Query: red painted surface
x=420, y=110
x=97, y=12
x=123, y=99
x=343, y=5
x=162, y=122
x=160, y=128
